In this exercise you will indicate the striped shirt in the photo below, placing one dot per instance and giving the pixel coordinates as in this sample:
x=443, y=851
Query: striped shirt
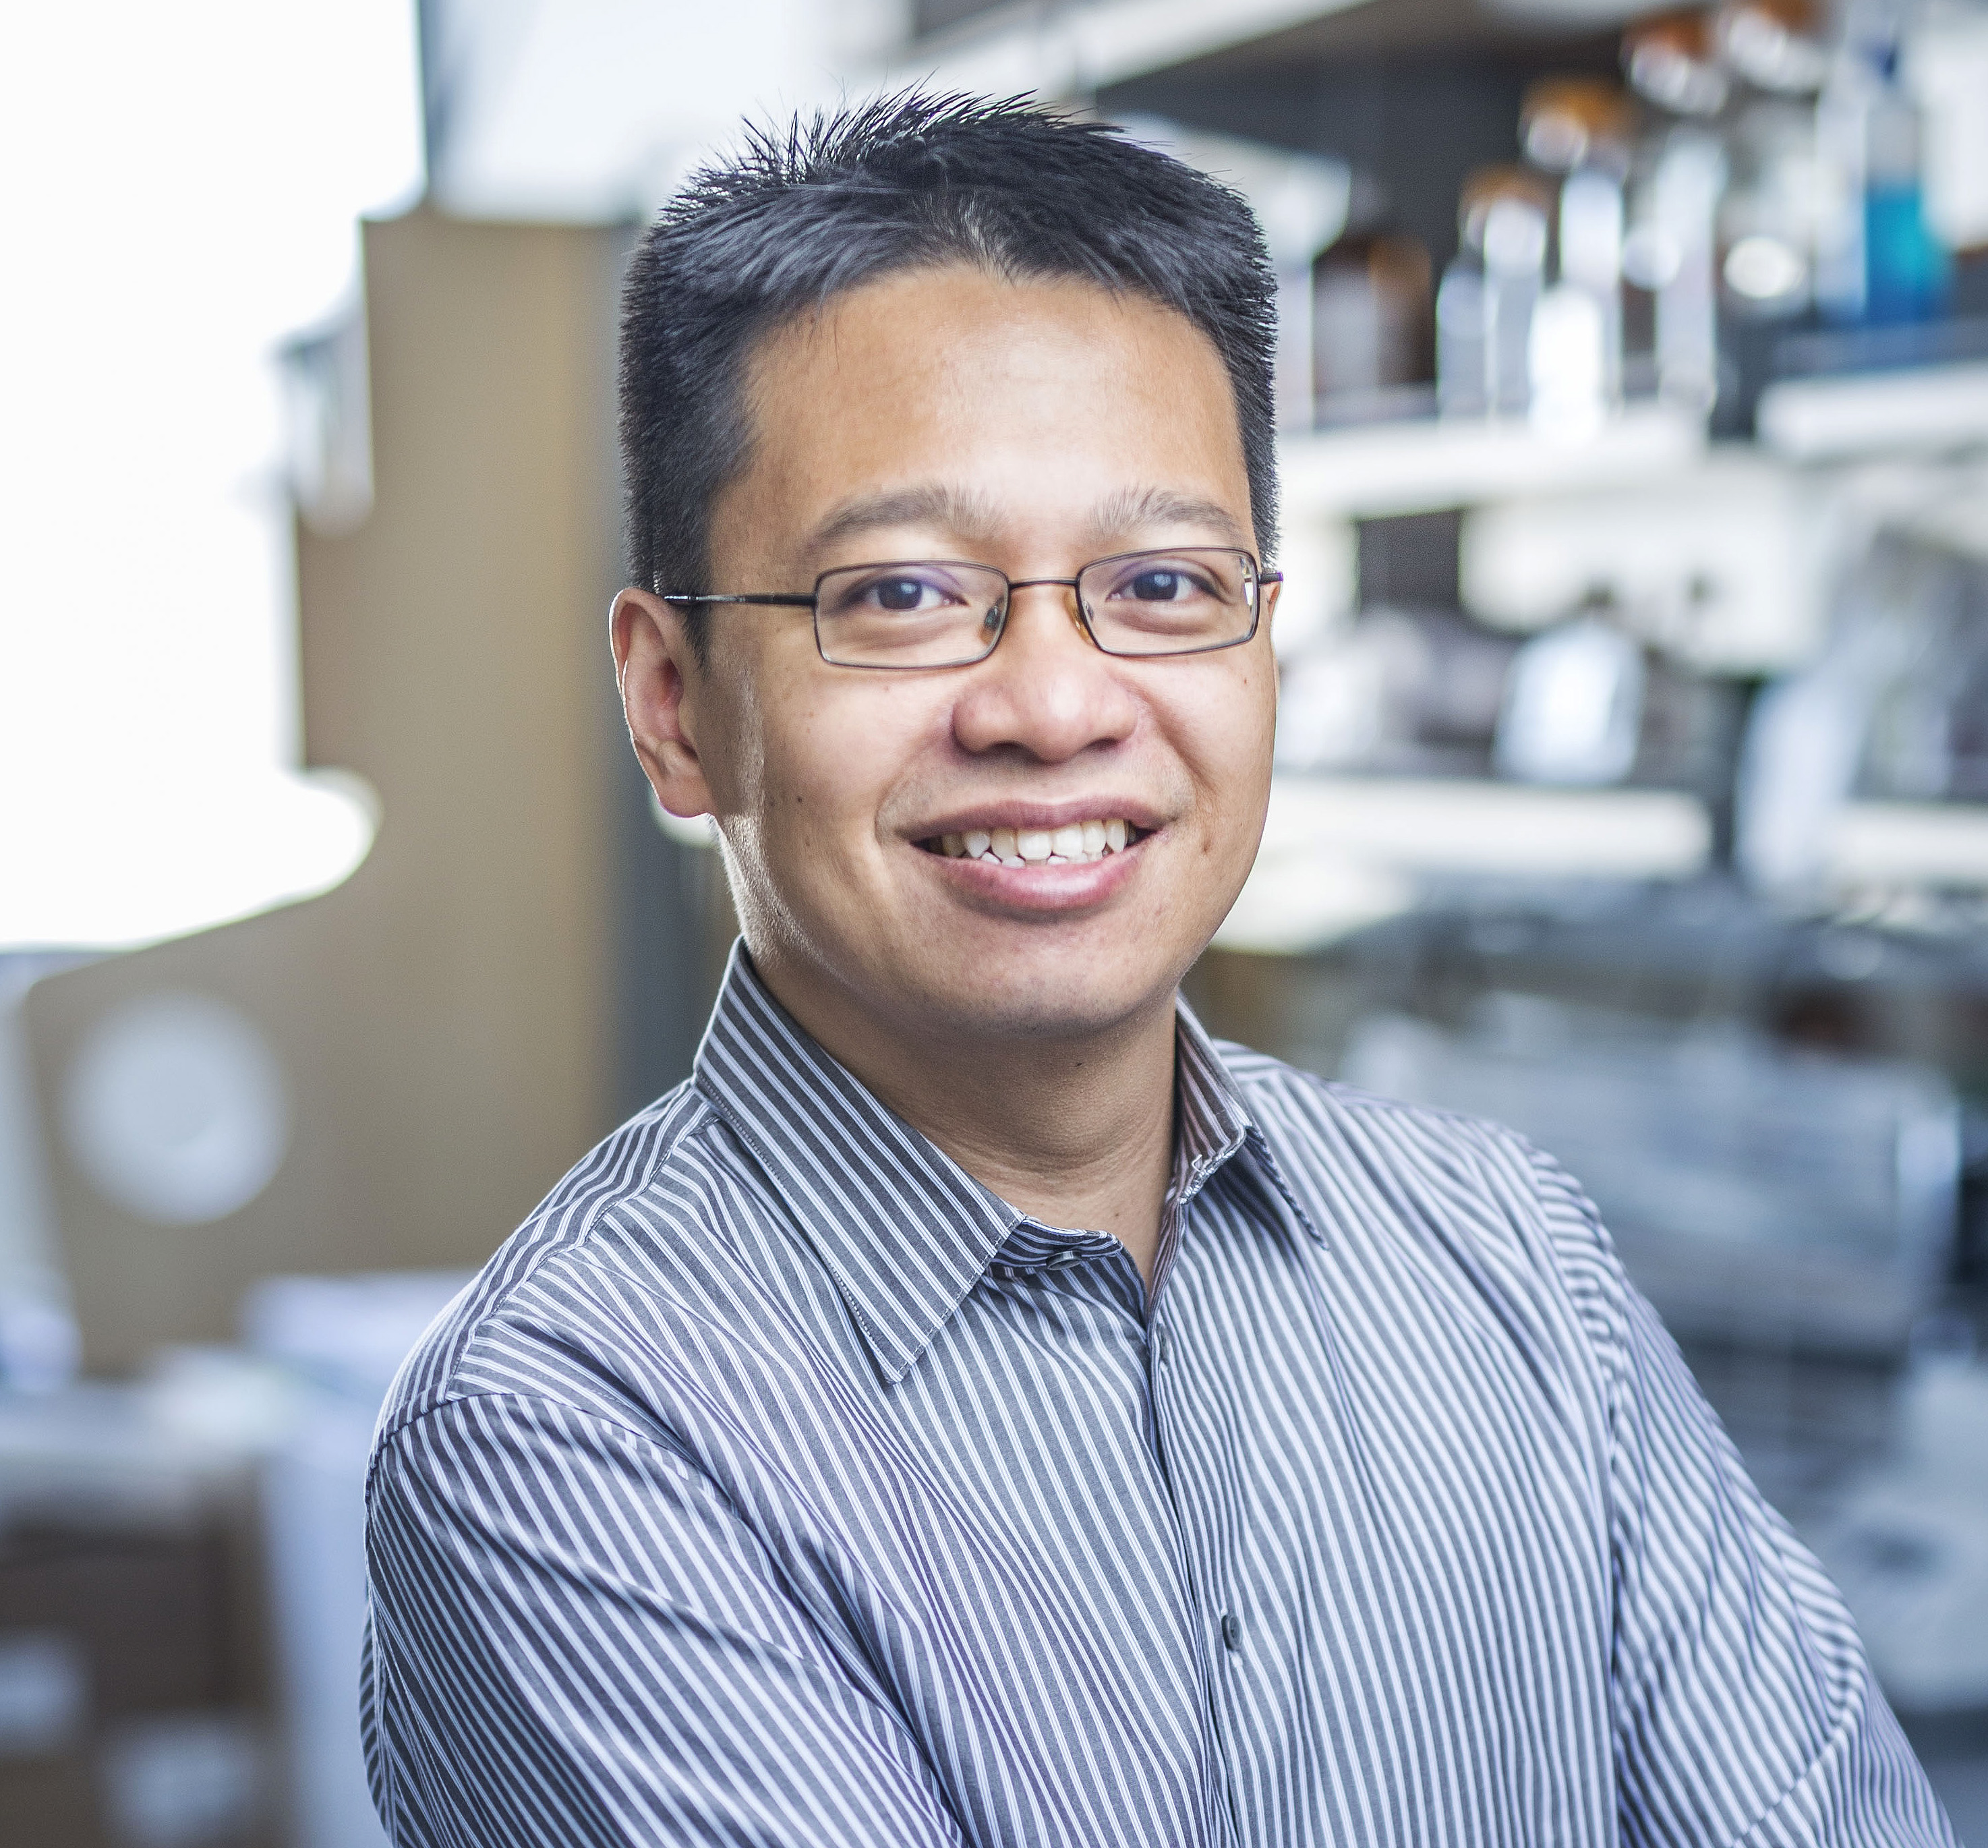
x=778, y=1484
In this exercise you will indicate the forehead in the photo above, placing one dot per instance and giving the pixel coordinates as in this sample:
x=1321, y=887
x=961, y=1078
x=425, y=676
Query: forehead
x=939, y=325
x=1021, y=395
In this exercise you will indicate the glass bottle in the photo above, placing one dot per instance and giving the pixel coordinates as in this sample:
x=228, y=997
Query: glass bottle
x=1679, y=178
x=1370, y=323
x=1575, y=132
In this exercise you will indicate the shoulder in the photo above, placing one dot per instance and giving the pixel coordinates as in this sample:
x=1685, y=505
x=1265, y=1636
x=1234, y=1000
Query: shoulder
x=1316, y=1118
x=545, y=1297
x=1451, y=1201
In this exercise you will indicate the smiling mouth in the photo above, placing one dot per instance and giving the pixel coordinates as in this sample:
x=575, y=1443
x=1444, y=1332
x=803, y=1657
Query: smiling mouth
x=1076, y=844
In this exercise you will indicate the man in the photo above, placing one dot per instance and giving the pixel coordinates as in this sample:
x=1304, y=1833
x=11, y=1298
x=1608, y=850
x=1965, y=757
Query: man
x=976, y=1408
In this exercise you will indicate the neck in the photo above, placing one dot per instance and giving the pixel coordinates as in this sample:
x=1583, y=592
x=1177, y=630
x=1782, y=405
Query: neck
x=1077, y=1133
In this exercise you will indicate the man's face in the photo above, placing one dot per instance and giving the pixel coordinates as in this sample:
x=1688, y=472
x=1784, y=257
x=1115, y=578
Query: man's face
x=1035, y=427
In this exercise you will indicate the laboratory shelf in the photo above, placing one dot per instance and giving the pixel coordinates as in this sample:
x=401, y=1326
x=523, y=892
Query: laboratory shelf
x=1071, y=51
x=1080, y=48
x=1375, y=470
x=1341, y=853
x=1464, y=824
x=1887, y=844
x=1922, y=408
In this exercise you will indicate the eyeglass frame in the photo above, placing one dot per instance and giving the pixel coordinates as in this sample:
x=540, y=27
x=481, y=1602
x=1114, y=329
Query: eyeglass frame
x=810, y=600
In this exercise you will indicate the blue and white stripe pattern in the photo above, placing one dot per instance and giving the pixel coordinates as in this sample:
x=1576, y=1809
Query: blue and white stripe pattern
x=777, y=1483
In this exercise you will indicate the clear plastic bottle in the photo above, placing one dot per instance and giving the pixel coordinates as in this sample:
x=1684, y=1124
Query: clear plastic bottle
x=1460, y=379
x=1768, y=225
x=1489, y=293
x=1767, y=221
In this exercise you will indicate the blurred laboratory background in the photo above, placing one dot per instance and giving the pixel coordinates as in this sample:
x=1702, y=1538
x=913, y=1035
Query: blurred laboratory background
x=1633, y=752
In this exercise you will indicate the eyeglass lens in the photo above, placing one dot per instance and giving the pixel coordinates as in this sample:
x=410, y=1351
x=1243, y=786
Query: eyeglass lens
x=941, y=614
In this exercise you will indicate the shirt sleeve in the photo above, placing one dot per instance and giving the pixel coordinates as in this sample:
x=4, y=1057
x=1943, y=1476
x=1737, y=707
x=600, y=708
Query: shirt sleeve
x=1745, y=1712
x=573, y=1638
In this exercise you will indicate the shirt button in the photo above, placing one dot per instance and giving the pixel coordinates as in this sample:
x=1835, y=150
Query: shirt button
x=1231, y=1632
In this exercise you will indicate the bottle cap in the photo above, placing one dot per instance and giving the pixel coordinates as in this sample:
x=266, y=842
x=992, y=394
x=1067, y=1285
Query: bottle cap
x=1568, y=122
x=1673, y=60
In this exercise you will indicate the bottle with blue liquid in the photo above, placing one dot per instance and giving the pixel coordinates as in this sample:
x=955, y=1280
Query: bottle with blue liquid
x=1879, y=262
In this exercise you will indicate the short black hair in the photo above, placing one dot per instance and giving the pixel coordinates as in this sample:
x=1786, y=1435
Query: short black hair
x=909, y=181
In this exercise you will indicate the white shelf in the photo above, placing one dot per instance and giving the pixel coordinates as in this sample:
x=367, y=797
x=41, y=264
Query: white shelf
x=1928, y=407
x=1420, y=467
x=1461, y=825
x=1071, y=48
x=1066, y=51
x=1940, y=844
x=1340, y=853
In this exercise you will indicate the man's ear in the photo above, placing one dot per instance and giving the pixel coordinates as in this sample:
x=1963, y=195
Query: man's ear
x=660, y=678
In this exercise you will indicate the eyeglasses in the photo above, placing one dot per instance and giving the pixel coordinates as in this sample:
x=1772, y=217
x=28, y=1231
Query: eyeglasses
x=940, y=614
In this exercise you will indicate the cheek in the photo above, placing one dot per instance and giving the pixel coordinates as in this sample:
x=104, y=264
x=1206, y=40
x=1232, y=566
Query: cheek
x=1225, y=731
x=832, y=758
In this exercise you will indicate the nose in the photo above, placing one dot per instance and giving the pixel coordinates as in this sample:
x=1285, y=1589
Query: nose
x=1046, y=691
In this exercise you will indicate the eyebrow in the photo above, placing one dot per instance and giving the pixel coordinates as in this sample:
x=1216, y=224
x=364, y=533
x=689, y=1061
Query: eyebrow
x=970, y=516
x=974, y=518
x=1124, y=512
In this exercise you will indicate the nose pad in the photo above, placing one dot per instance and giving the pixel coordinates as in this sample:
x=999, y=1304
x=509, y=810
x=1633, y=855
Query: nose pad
x=994, y=621
x=1080, y=618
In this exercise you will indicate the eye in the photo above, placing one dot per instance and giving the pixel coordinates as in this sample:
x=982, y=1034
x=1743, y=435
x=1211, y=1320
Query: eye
x=903, y=593
x=1157, y=586
x=1165, y=582
x=893, y=591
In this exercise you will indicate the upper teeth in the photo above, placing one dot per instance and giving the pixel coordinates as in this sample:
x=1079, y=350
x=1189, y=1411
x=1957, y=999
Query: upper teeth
x=1077, y=841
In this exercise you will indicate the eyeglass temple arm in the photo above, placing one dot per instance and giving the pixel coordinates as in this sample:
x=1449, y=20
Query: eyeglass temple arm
x=796, y=600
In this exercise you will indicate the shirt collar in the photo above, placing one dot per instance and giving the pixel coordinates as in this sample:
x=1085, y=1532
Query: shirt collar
x=905, y=1231
x=1210, y=1122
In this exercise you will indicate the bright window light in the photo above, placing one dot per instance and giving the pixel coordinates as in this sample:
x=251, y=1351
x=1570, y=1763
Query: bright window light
x=181, y=186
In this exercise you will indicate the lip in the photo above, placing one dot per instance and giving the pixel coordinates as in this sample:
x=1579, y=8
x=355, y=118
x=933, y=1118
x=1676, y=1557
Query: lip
x=1044, y=817
x=1039, y=888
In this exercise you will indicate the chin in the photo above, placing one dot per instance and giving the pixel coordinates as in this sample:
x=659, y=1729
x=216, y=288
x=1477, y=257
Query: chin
x=1032, y=997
